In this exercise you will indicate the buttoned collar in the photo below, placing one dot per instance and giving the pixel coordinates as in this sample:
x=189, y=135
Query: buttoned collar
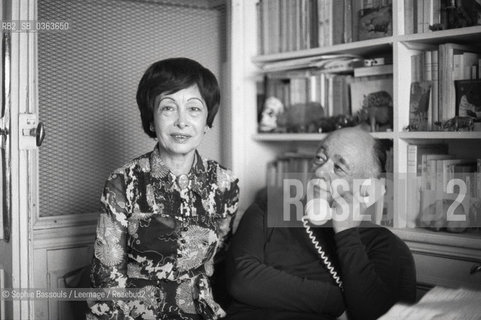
x=198, y=175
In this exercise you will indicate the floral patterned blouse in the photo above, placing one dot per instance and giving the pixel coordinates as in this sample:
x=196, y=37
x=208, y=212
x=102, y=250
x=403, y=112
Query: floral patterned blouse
x=160, y=233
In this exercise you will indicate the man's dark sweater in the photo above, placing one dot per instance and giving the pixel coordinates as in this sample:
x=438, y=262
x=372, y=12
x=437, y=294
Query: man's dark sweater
x=276, y=273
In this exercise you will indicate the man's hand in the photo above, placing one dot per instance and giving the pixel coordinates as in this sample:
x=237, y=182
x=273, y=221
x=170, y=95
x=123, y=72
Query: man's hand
x=347, y=212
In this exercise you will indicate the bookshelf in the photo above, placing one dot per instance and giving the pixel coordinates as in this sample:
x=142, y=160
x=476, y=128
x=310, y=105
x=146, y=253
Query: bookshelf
x=252, y=150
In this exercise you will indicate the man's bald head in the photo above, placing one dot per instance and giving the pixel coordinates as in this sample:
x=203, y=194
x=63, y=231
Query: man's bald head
x=354, y=152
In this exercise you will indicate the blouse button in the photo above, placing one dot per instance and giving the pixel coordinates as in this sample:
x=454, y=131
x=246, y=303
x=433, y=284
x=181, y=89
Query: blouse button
x=174, y=269
x=185, y=229
x=182, y=240
x=179, y=255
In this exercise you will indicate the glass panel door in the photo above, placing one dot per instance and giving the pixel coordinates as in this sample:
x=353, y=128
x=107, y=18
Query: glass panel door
x=87, y=81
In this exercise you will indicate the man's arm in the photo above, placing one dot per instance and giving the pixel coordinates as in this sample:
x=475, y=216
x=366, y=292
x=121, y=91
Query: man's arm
x=370, y=270
x=257, y=284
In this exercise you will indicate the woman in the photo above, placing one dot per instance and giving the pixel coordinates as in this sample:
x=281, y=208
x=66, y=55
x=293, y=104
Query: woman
x=166, y=213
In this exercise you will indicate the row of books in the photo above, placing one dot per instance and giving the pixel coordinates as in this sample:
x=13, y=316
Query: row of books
x=432, y=15
x=294, y=89
x=433, y=88
x=332, y=90
x=293, y=164
x=288, y=25
x=431, y=173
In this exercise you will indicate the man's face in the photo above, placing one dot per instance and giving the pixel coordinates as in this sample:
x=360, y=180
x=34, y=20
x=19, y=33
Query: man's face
x=345, y=154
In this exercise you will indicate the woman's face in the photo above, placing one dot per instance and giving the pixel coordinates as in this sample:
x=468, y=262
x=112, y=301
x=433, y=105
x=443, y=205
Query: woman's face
x=180, y=121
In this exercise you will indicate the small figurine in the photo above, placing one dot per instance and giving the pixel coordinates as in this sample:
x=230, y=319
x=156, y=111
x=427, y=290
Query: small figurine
x=379, y=109
x=273, y=107
x=301, y=117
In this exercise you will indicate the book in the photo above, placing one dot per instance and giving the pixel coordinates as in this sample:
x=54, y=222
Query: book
x=304, y=35
x=409, y=16
x=428, y=67
x=435, y=86
x=337, y=22
x=429, y=170
x=427, y=14
x=347, y=37
x=465, y=172
x=443, y=172
x=478, y=180
x=420, y=16
x=417, y=67
x=447, y=101
x=419, y=105
x=468, y=98
x=374, y=70
x=284, y=25
x=321, y=22
x=415, y=179
x=356, y=8
x=415, y=153
x=314, y=30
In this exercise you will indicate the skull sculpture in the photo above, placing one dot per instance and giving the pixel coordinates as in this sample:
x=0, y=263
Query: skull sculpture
x=273, y=107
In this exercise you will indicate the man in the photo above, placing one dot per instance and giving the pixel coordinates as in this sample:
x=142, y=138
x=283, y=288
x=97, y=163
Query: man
x=277, y=273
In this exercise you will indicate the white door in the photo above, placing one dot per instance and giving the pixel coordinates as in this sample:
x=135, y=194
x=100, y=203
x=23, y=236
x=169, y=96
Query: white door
x=78, y=75
x=18, y=151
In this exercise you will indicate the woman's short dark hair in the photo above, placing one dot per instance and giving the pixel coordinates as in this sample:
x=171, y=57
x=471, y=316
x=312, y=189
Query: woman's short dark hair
x=169, y=76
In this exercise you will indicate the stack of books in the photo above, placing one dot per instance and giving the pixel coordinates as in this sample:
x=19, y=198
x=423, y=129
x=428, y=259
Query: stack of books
x=437, y=92
x=435, y=175
x=292, y=25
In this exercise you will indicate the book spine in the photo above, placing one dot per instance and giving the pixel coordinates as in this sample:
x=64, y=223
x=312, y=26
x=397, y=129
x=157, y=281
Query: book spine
x=328, y=23
x=356, y=8
x=313, y=24
x=303, y=25
x=412, y=159
x=479, y=68
x=313, y=88
x=320, y=22
x=446, y=58
x=420, y=16
x=337, y=21
x=330, y=94
x=435, y=86
x=348, y=21
x=408, y=16
x=284, y=18
x=436, y=12
x=427, y=14
x=275, y=26
x=478, y=181
x=323, y=94
x=296, y=16
x=428, y=70
x=417, y=67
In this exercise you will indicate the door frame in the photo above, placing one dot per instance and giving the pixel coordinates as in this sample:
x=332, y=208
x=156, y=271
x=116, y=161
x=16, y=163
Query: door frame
x=22, y=100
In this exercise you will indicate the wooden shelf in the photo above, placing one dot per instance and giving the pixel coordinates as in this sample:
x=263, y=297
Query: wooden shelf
x=289, y=136
x=308, y=136
x=362, y=48
x=426, y=135
x=469, y=35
